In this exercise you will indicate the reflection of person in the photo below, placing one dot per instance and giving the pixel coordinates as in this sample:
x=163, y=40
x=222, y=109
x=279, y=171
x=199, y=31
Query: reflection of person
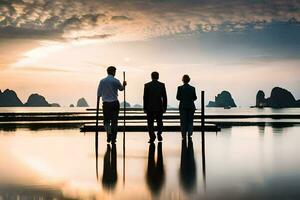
x=108, y=90
x=155, y=104
x=186, y=94
x=187, y=166
x=110, y=175
x=155, y=171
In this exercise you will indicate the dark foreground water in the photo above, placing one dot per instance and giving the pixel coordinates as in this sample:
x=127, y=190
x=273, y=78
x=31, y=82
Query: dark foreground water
x=240, y=163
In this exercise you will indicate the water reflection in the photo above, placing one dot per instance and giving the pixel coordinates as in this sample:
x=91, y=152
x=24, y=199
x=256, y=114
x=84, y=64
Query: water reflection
x=28, y=170
x=8, y=128
x=188, y=174
x=97, y=165
x=155, y=175
x=110, y=175
x=204, y=168
x=30, y=192
x=280, y=128
x=40, y=126
x=261, y=129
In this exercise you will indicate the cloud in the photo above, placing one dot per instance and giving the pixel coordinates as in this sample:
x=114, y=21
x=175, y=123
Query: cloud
x=12, y=50
x=120, y=18
x=21, y=33
x=94, y=37
x=44, y=69
x=135, y=19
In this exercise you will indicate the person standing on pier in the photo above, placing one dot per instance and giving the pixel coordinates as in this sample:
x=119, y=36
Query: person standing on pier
x=186, y=94
x=108, y=90
x=155, y=104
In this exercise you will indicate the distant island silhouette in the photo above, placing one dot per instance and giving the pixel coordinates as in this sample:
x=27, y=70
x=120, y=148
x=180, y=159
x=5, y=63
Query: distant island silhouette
x=36, y=100
x=126, y=103
x=9, y=98
x=279, y=98
x=224, y=99
x=82, y=103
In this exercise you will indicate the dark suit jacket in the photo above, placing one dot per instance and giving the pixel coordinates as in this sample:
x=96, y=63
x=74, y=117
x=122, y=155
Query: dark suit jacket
x=155, y=97
x=186, y=94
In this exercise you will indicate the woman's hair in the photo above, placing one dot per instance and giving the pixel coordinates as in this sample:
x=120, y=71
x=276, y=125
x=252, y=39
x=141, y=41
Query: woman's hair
x=186, y=78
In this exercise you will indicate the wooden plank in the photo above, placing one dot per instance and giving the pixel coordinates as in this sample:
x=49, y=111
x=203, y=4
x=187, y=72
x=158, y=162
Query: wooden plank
x=68, y=117
x=207, y=128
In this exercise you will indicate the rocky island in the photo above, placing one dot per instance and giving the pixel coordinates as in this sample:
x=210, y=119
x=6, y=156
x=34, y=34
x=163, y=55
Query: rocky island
x=279, y=98
x=36, y=100
x=126, y=103
x=224, y=99
x=82, y=103
x=9, y=98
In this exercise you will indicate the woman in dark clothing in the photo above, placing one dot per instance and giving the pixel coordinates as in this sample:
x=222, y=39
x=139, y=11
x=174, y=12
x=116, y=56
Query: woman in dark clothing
x=186, y=94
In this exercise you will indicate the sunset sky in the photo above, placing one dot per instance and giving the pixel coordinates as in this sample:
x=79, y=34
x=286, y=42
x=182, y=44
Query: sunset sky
x=61, y=48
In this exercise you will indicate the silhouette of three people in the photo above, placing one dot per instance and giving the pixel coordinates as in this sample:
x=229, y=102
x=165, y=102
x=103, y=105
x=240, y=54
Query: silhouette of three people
x=154, y=104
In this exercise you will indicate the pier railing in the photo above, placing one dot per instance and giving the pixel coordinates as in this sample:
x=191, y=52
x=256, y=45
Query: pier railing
x=136, y=120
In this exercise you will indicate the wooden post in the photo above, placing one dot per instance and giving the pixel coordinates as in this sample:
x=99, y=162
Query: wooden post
x=203, y=120
x=202, y=113
x=204, y=169
x=203, y=138
x=124, y=109
x=124, y=123
x=96, y=134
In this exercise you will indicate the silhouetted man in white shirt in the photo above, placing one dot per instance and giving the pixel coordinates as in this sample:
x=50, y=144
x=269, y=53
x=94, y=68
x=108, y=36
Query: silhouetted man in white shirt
x=108, y=90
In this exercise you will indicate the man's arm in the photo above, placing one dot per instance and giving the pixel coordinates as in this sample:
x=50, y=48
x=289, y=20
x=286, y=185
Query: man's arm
x=120, y=86
x=164, y=98
x=194, y=95
x=178, y=96
x=100, y=90
x=145, y=99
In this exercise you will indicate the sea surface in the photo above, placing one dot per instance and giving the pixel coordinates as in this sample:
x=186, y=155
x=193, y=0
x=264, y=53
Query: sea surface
x=239, y=162
x=219, y=111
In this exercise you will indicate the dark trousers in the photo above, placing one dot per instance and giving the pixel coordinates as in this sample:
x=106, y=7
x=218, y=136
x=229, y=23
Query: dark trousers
x=151, y=116
x=186, y=121
x=110, y=114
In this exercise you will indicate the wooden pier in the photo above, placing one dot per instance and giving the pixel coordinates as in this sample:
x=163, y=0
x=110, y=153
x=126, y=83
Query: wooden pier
x=136, y=121
x=144, y=128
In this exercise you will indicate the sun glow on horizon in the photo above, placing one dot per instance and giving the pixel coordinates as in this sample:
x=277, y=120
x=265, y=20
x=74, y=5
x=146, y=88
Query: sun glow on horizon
x=36, y=55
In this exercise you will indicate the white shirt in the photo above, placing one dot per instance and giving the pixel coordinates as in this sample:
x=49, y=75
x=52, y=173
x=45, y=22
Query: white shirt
x=108, y=89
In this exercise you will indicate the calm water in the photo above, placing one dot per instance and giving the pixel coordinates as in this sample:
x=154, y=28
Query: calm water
x=240, y=163
x=45, y=111
x=219, y=111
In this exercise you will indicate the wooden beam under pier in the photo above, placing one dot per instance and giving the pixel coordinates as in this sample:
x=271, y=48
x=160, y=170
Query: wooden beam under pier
x=143, y=128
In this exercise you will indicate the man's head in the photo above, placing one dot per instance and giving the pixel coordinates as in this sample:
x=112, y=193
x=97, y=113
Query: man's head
x=186, y=78
x=111, y=70
x=155, y=75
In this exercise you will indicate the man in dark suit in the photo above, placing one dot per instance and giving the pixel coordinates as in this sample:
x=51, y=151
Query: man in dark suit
x=186, y=94
x=155, y=104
